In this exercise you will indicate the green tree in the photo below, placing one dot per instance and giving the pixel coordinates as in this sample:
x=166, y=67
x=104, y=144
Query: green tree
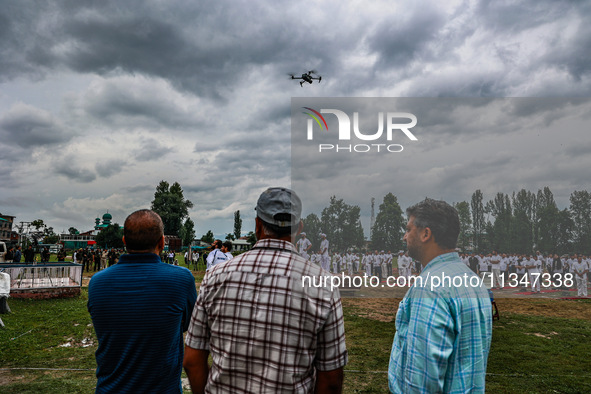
x=187, y=232
x=547, y=222
x=313, y=228
x=580, y=208
x=237, y=224
x=39, y=232
x=478, y=221
x=498, y=234
x=342, y=225
x=49, y=236
x=170, y=203
x=463, y=209
x=208, y=237
x=565, y=228
x=251, y=238
x=388, y=228
x=230, y=237
x=110, y=237
x=73, y=230
x=524, y=211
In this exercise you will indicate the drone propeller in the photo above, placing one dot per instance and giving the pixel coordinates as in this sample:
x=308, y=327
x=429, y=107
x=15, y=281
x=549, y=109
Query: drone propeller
x=292, y=75
x=319, y=78
x=312, y=72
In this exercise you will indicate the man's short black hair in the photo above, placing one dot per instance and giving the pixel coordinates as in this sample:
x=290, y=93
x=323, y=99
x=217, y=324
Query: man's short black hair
x=440, y=217
x=228, y=245
x=143, y=230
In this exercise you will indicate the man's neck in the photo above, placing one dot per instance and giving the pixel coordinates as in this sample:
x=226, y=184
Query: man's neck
x=430, y=255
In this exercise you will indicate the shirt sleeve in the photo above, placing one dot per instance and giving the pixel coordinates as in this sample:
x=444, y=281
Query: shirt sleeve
x=331, y=352
x=198, y=333
x=191, y=299
x=426, y=348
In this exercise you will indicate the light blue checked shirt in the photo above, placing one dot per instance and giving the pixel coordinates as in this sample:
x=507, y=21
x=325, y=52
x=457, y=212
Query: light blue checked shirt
x=443, y=333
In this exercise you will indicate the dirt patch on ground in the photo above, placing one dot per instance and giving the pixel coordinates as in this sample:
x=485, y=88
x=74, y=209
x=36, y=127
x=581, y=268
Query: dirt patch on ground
x=568, y=309
x=384, y=309
x=381, y=309
x=6, y=377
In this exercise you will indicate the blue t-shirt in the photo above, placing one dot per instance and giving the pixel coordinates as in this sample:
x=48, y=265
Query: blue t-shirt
x=140, y=308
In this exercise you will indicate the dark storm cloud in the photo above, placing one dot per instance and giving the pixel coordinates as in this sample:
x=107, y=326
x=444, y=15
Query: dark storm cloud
x=399, y=42
x=204, y=48
x=29, y=127
x=580, y=149
x=110, y=167
x=151, y=149
x=138, y=105
x=73, y=172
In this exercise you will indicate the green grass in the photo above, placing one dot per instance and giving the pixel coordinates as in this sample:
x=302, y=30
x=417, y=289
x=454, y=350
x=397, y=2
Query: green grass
x=529, y=354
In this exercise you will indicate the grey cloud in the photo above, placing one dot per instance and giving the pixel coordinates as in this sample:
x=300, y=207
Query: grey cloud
x=150, y=149
x=29, y=127
x=399, y=42
x=71, y=171
x=109, y=167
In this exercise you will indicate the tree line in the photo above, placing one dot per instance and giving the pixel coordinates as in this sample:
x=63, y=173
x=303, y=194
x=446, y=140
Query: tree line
x=522, y=222
x=525, y=221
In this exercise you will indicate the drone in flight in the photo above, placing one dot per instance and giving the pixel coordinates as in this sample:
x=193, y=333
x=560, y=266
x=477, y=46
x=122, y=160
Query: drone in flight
x=307, y=77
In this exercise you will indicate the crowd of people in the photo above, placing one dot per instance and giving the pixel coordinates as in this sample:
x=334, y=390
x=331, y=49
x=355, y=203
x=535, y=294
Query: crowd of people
x=262, y=329
x=535, y=271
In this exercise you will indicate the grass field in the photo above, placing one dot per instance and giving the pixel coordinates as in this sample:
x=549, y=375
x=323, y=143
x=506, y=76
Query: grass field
x=539, y=346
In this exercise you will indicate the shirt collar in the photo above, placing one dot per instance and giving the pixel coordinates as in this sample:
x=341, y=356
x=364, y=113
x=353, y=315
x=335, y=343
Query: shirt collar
x=442, y=259
x=139, y=258
x=275, y=244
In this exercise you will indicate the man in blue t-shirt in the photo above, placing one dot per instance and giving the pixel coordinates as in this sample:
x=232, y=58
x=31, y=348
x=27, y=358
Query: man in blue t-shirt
x=140, y=308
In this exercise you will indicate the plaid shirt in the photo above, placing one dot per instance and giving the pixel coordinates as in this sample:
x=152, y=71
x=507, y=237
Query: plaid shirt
x=443, y=334
x=267, y=332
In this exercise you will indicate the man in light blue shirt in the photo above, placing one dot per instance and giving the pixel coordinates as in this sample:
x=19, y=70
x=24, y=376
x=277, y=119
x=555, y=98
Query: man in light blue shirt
x=444, y=323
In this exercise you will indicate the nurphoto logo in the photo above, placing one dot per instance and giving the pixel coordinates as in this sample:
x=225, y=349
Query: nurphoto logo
x=397, y=124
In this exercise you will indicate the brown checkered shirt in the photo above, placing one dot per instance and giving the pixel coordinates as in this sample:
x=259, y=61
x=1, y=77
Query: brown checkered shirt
x=266, y=332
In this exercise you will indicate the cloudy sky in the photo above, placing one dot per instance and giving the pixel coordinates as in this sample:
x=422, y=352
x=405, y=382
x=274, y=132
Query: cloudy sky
x=100, y=100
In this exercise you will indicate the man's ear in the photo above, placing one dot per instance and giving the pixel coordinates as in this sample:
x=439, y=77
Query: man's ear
x=161, y=244
x=123, y=239
x=426, y=234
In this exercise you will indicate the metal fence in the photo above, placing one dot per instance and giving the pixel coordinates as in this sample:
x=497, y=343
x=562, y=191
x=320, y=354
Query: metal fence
x=43, y=275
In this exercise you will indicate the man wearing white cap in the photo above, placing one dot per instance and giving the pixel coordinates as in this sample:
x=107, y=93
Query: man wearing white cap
x=324, y=258
x=303, y=245
x=267, y=332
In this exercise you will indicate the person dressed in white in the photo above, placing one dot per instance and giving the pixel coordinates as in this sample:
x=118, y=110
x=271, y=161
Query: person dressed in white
x=495, y=264
x=303, y=246
x=216, y=256
x=227, y=249
x=580, y=269
x=533, y=267
x=324, y=258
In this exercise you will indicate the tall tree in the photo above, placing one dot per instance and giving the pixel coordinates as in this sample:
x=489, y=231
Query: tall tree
x=170, y=203
x=208, y=237
x=547, y=236
x=500, y=209
x=342, y=225
x=388, y=228
x=478, y=219
x=110, y=237
x=187, y=232
x=463, y=209
x=73, y=230
x=313, y=228
x=565, y=228
x=524, y=211
x=237, y=225
x=580, y=208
